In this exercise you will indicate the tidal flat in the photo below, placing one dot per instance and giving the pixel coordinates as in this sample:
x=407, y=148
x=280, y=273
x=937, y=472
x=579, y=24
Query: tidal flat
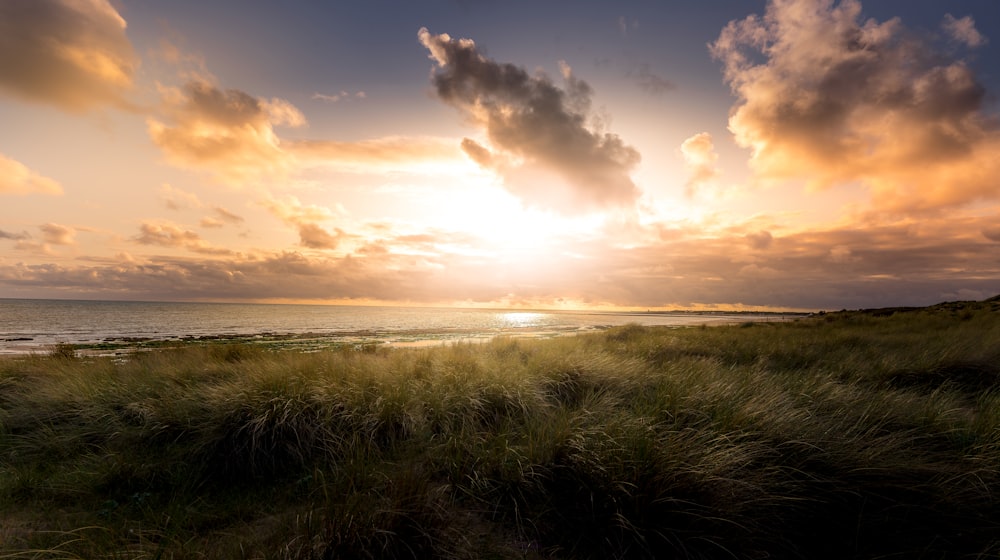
x=858, y=434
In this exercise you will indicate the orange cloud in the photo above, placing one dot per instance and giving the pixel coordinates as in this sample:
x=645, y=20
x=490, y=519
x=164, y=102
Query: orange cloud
x=700, y=157
x=58, y=234
x=177, y=199
x=851, y=266
x=220, y=218
x=232, y=134
x=171, y=235
x=52, y=234
x=227, y=131
x=70, y=53
x=829, y=98
x=16, y=178
x=540, y=141
x=393, y=153
x=304, y=219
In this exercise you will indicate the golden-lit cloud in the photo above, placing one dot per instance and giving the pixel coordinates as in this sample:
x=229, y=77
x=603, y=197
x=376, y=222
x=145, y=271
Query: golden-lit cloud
x=177, y=199
x=737, y=265
x=232, y=134
x=305, y=219
x=166, y=234
x=220, y=217
x=539, y=135
x=70, y=53
x=392, y=153
x=229, y=132
x=700, y=159
x=58, y=234
x=828, y=98
x=51, y=234
x=16, y=178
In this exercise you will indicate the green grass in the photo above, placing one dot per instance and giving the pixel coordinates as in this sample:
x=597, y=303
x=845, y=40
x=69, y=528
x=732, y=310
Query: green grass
x=849, y=435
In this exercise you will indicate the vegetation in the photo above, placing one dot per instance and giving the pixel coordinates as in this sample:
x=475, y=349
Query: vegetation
x=846, y=435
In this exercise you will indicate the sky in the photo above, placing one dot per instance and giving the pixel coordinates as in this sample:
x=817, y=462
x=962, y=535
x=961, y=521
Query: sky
x=781, y=155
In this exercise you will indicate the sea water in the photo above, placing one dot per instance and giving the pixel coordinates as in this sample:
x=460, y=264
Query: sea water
x=31, y=325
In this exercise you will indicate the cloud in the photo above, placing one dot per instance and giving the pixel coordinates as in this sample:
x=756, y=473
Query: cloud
x=232, y=134
x=624, y=25
x=278, y=276
x=69, y=53
x=177, y=199
x=760, y=239
x=220, y=218
x=58, y=234
x=853, y=265
x=228, y=131
x=992, y=233
x=343, y=95
x=304, y=219
x=52, y=234
x=841, y=254
x=16, y=178
x=14, y=236
x=165, y=234
x=315, y=237
x=699, y=158
x=829, y=98
x=834, y=268
x=391, y=153
x=963, y=30
x=539, y=139
x=651, y=83
x=228, y=216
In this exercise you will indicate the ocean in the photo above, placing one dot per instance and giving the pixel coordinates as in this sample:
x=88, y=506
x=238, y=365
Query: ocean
x=34, y=325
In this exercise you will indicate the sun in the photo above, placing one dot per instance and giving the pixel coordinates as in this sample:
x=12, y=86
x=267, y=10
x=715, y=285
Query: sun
x=503, y=224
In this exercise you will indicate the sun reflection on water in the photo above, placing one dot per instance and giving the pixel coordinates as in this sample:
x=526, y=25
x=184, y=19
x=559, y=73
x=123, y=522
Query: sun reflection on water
x=520, y=319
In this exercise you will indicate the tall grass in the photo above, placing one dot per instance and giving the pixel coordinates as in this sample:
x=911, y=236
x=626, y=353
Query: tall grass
x=850, y=435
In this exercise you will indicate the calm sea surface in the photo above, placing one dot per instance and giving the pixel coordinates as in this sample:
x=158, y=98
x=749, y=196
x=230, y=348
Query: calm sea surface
x=28, y=325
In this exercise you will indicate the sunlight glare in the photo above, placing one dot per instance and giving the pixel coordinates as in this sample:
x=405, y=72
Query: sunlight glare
x=519, y=319
x=503, y=223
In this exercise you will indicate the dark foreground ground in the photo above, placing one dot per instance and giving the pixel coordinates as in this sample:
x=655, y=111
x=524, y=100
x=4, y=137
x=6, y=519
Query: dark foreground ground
x=847, y=435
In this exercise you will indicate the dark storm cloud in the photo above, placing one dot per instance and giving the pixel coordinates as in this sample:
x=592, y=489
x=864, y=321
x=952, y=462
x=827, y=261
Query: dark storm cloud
x=538, y=133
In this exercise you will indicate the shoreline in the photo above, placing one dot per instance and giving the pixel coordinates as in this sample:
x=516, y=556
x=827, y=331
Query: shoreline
x=359, y=339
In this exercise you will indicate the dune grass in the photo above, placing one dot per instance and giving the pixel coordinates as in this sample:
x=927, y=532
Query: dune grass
x=850, y=435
